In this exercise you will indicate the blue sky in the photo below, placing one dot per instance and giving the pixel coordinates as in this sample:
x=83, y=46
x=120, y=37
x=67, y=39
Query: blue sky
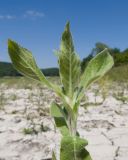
x=38, y=24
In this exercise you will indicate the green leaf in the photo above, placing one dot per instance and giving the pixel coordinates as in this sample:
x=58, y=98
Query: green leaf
x=60, y=116
x=69, y=63
x=96, y=68
x=24, y=62
x=53, y=156
x=73, y=148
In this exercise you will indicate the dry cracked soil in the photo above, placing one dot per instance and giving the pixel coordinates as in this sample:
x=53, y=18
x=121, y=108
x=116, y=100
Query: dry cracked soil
x=27, y=131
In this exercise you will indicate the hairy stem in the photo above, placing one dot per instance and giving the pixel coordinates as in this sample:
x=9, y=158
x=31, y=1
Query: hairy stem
x=72, y=125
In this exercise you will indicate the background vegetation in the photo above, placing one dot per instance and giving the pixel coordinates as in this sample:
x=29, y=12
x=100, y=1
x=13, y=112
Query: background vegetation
x=120, y=59
x=6, y=69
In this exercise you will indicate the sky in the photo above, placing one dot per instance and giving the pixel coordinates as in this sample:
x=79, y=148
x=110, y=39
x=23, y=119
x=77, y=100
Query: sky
x=38, y=24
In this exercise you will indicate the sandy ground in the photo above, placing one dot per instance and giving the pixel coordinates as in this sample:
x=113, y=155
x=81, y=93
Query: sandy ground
x=104, y=124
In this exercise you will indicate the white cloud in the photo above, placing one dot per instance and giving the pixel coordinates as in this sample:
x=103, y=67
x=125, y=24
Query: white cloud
x=7, y=17
x=29, y=14
x=33, y=14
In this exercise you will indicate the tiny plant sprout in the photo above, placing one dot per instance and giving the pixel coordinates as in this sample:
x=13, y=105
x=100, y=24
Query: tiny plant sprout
x=74, y=82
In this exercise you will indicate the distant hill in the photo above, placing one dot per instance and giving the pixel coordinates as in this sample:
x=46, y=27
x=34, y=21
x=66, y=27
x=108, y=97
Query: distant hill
x=116, y=73
x=6, y=69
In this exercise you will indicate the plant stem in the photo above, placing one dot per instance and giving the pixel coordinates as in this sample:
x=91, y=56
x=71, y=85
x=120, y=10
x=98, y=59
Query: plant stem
x=72, y=124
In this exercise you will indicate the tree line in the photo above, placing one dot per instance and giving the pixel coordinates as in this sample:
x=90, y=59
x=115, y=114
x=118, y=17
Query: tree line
x=7, y=69
x=120, y=57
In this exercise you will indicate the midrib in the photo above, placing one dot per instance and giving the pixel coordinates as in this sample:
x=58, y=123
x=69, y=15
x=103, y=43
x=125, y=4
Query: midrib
x=70, y=75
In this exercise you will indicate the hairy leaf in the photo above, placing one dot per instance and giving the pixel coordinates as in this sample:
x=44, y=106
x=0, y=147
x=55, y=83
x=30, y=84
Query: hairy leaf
x=96, y=68
x=69, y=63
x=24, y=62
x=73, y=148
x=60, y=117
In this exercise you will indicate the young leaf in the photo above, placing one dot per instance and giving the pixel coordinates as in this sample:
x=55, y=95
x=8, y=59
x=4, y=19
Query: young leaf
x=73, y=148
x=24, y=62
x=69, y=63
x=96, y=68
x=60, y=118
